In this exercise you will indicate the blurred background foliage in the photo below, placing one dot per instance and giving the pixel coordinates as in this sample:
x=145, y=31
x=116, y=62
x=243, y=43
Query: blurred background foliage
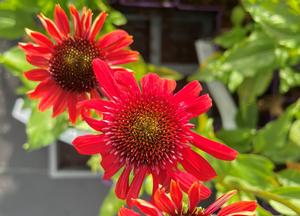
x=258, y=59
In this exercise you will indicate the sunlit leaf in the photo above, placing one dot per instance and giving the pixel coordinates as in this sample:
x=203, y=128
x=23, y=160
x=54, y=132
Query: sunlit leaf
x=254, y=170
x=111, y=204
x=278, y=18
x=230, y=38
x=42, y=129
x=240, y=139
x=15, y=62
x=237, y=15
x=250, y=89
x=272, y=140
x=94, y=163
x=288, y=79
x=295, y=132
x=289, y=177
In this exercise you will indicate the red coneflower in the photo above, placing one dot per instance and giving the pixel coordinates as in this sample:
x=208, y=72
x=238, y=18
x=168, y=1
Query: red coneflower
x=171, y=204
x=147, y=131
x=65, y=65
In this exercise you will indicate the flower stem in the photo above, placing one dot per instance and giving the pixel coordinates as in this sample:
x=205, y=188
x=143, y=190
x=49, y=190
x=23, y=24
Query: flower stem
x=266, y=196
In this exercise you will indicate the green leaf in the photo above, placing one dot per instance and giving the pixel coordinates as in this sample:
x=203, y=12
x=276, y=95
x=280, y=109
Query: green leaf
x=262, y=212
x=42, y=129
x=237, y=15
x=117, y=18
x=274, y=134
x=111, y=204
x=247, y=115
x=289, y=193
x=272, y=140
x=287, y=153
x=292, y=192
x=94, y=163
x=240, y=139
x=13, y=22
x=253, y=87
x=254, y=54
x=235, y=79
x=139, y=68
x=278, y=18
x=289, y=177
x=14, y=61
x=283, y=209
x=288, y=79
x=254, y=170
x=148, y=185
x=164, y=72
x=295, y=132
x=230, y=38
x=204, y=126
x=249, y=90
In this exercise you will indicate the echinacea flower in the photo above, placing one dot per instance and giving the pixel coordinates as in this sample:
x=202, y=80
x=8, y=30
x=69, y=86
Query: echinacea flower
x=64, y=62
x=172, y=203
x=147, y=131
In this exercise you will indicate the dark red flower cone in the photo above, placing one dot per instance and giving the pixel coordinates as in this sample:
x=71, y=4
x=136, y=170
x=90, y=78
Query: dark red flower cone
x=147, y=131
x=64, y=62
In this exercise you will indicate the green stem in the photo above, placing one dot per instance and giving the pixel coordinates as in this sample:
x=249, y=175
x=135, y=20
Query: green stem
x=268, y=196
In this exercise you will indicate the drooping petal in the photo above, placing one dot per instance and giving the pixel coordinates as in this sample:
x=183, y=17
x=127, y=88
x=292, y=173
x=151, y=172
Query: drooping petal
x=61, y=20
x=72, y=107
x=197, y=193
x=93, y=123
x=96, y=104
x=184, y=179
x=97, y=25
x=112, y=170
x=105, y=78
x=127, y=82
x=127, y=212
x=51, y=28
x=213, y=148
x=242, y=208
x=189, y=92
x=49, y=98
x=41, y=89
x=122, y=57
x=136, y=184
x=86, y=23
x=39, y=61
x=199, y=105
x=76, y=21
x=176, y=195
x=218, y=203
x=151, y=83
x=40, y=39
x=110, y=164
x=60, y=105
x=111, y=38
x=197, y=166
x=118, y=45
x=122, y=185
x=94, y=94
x=163, y=202
x=90, y=144
x=168, y=86
x=32, y=49
x=146, y=207
x=37, y=74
